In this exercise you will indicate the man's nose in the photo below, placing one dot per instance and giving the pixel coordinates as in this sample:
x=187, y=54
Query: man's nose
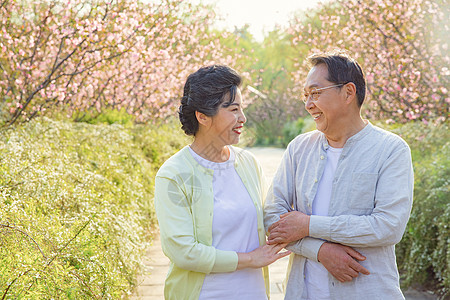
x=309, y=103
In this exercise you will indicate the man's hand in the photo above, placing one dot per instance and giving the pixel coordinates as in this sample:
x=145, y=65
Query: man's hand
x=341, y=262
x=292, y=226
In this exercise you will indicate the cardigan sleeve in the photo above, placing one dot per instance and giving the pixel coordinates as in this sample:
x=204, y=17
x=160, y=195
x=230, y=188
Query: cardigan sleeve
x=178, y=233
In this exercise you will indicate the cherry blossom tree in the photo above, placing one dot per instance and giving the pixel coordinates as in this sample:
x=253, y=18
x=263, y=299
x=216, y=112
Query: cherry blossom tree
x=83, y=56
x=402, y=45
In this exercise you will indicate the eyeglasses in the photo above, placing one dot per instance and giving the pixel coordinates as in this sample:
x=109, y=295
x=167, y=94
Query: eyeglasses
x=314, y=93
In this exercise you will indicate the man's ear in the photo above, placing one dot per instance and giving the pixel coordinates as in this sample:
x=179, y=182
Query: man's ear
x=202, y=118
x=350, y=90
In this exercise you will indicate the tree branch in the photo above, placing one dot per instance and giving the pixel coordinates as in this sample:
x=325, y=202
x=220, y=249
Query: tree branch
x=62, y=248
x=23, y=232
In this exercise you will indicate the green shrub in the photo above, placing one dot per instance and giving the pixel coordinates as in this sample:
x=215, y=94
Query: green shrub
x=308, y=125
x=76, y=206
x=423, y=255
x=106, y=116
x=291, y=130
x=265, y=133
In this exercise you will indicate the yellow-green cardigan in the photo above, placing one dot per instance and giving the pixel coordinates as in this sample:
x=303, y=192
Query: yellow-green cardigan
x=184, y=203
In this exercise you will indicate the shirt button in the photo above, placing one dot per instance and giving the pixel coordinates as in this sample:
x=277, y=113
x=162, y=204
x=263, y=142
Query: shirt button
x=322, y=157
x=315, y=180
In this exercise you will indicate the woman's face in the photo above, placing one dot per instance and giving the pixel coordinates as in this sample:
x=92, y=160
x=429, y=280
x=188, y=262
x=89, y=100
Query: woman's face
x=227, y=124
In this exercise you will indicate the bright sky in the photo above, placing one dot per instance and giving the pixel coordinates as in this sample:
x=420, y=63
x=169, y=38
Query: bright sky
x=261, y=15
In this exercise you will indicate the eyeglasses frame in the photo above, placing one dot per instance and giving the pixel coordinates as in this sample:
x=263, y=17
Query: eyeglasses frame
x=308, y=95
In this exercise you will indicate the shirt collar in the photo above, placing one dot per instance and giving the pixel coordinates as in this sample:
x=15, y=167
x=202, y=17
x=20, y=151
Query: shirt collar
x=361, y=134
x=353, y=139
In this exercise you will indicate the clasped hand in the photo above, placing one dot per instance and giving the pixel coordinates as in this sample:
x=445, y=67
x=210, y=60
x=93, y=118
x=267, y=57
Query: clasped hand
x=292, y=226
x=341, y=261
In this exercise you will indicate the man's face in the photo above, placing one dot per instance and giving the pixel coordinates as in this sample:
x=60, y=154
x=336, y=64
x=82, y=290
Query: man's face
x=327, y=110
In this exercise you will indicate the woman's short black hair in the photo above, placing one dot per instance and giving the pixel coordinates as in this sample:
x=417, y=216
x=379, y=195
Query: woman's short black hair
x=205, y=90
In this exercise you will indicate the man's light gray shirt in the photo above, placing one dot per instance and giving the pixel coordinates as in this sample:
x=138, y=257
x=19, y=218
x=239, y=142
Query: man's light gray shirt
x=370, y=205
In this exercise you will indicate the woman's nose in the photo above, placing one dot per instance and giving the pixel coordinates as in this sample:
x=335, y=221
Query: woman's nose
x=242, y=118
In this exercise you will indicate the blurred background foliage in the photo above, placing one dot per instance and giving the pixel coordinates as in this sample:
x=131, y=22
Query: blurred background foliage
x=423, y=255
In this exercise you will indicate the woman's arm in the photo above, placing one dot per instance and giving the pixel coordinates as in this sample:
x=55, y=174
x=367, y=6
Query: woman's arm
x=177, y=229
x=173, y=210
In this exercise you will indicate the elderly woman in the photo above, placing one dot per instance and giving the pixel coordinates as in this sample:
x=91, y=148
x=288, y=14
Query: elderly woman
x=208, y=199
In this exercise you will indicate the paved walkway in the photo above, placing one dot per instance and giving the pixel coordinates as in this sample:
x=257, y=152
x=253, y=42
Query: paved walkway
x=151, y=285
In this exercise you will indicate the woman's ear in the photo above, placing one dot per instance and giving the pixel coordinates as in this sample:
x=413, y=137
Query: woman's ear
x=202, y=118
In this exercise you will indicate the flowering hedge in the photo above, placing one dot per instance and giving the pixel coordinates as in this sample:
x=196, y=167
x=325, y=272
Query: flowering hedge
x=76, y=207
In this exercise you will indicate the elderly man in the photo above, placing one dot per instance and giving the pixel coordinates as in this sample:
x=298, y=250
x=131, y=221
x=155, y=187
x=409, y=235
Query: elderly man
x=342, y=195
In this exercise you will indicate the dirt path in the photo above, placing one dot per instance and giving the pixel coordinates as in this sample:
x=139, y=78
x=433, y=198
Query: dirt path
x=151, y=285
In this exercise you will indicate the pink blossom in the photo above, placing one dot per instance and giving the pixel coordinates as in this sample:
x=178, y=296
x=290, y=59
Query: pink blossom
x=164, y=54
x=390, y=44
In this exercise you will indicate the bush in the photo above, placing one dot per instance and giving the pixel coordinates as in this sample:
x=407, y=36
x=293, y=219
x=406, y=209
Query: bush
x=266, y=133
x=291, y=130
x=76, y=209
x=107, y=116
x=423, y=255
x=268, y=118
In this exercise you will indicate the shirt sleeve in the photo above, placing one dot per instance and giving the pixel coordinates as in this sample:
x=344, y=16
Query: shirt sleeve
x=280, y=199
x=280, y=196
x=307, y=247
x=387, y=222
x=178, y=233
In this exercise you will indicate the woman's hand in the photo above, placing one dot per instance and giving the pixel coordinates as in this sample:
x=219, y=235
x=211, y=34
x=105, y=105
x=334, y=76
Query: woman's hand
x=262, y=256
